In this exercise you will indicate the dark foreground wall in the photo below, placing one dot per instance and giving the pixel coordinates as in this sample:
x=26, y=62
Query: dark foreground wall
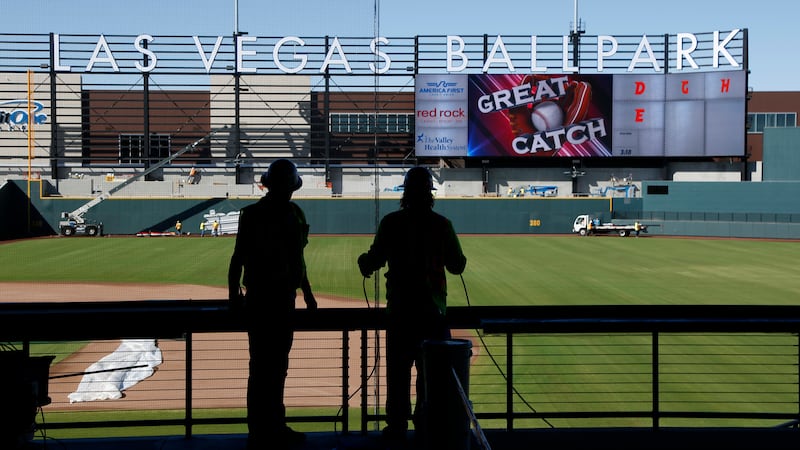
x=19, y=217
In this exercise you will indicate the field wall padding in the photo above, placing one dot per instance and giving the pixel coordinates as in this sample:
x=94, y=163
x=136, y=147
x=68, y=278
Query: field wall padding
x=125, y=216
x=721, y=209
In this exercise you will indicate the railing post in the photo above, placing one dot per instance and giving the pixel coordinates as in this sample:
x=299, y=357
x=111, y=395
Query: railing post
x=345, y=379
x=188, y=393
x=510, y=381
x=364, y=379
x=655, y=387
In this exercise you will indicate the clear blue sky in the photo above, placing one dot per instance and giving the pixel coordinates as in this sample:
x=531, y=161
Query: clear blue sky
x=771, y=23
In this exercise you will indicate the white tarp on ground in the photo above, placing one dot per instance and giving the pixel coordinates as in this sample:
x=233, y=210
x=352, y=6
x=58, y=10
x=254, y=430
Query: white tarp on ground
x=107, y=378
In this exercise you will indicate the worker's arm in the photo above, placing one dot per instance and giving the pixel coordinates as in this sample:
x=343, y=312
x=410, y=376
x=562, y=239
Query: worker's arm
x=305, y=285
x=308, y=295
x=235, y=295
x=376, y=256
x=455, y=261
x=236, y=267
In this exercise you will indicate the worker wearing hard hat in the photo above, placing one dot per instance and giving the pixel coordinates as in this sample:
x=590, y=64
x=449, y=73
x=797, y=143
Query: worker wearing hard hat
x=418, y=245
x=268, y=261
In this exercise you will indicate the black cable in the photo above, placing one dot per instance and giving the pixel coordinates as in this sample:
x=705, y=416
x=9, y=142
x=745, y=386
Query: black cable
x=374, y=366
x=43, y=432
x=377, y=359
x=364, y=288
x=496, y=364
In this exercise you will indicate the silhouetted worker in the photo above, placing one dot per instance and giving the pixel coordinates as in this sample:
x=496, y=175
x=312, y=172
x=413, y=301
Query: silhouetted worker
x=269, y=247
x=418, y=245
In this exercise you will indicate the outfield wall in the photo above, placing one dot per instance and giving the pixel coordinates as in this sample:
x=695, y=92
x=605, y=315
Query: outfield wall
x=328, y=215
x=762, y=210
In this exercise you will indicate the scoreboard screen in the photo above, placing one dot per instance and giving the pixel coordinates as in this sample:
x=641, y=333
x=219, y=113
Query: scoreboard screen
x=699, y=114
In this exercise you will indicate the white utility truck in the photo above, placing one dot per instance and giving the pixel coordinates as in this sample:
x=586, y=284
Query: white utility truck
x=586, y=225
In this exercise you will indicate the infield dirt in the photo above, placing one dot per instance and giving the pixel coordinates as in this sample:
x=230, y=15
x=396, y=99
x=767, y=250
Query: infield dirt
x=219, y=369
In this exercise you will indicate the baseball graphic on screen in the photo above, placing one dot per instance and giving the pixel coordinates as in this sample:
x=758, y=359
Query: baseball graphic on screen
x=546, y=116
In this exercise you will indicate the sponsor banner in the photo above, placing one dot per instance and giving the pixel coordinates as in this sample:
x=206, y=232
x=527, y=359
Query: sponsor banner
x=14, y=114
x=441, y=142
x=441, y=115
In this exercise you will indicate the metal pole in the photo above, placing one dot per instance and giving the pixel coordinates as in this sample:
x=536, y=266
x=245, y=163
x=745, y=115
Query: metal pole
x=237, y=136
x=345, y=381
x=54, y=153
x=364, y=381
x=655, y=381
x=510, y=381
x=188, y=400
x=746, y=66
x=30, y=142
x=236, y=105
x=146, y=111
x=376, y=26
x=235, y=16
x=576, y=37
x=575, y=17
x=326, y=111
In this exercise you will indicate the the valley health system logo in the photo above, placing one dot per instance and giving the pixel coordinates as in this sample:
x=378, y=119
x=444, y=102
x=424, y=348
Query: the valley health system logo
x=14, y=115
x=441, y=115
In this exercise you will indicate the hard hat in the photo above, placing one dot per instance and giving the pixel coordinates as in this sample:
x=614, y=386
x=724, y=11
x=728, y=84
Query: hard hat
x=418, y=179
x=282, y=174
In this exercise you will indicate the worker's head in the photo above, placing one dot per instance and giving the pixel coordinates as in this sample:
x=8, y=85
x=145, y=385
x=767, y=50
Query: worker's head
x=282, y=176
x=417, y=188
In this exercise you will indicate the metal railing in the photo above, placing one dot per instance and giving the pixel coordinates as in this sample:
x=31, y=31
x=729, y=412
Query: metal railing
x=533, y=367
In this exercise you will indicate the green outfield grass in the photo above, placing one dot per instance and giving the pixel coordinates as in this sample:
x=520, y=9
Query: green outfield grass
x=501, y=270
x=528, y=270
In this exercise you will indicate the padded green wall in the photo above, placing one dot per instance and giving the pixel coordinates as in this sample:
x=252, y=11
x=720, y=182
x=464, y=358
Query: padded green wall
x=336, y=215
x=755, y=209
x=767, y=209
x=781, y=154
